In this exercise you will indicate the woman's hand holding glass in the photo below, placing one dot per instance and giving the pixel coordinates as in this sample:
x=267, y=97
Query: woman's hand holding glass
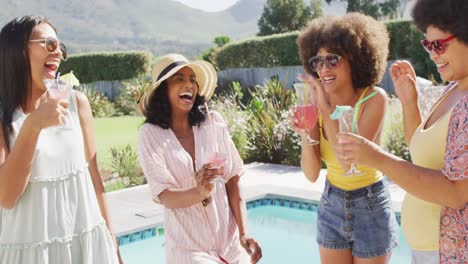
x=348, y=124
x=305, y=114
x=60, y=90
x=204, y=178
x=52, y=112
x=318, y=93
x=356, y=149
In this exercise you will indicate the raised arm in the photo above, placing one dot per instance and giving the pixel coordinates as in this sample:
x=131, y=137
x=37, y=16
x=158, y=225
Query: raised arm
x=404, y=81
x=15, y=168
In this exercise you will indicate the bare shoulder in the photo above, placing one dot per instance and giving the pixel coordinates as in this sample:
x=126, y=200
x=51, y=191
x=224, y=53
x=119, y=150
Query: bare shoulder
x=381, y=93
x=84, y=108
x=376, y=105
x=379, y=98
x=81, y=99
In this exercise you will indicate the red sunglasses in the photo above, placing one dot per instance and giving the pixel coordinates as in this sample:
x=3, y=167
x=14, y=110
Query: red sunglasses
x=437, y=45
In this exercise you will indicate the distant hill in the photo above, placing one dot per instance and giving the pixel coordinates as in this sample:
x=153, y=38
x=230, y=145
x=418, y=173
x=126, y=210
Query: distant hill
x=159, y=26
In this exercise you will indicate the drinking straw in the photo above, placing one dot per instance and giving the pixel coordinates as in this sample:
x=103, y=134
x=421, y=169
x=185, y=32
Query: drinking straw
x=213, y=131
x=208, y=113
x=57, y=80
x=356, y=109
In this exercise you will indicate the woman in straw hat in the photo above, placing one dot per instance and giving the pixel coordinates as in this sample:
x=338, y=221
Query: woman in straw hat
x=205, y=219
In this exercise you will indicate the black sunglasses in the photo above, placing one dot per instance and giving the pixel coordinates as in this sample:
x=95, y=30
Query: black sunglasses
x=52, y=44
x=316, y=63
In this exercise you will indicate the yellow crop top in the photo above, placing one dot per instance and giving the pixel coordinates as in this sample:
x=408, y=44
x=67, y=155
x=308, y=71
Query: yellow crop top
x=335, y=171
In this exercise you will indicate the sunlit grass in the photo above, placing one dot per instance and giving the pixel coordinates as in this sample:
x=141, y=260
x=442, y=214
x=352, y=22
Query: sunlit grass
x=114, y=132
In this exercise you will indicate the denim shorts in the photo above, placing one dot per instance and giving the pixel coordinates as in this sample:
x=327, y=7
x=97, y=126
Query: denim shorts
x=361, y=220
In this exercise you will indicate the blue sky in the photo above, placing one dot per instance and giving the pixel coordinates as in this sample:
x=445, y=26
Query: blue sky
x=209, y=5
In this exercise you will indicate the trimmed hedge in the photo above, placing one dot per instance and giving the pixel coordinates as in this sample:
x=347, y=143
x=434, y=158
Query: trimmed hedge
x=107, y=66
x=269, y=51
x=281, y=49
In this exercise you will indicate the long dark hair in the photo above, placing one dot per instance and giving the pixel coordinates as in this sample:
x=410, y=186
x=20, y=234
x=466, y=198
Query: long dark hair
x=159, y=111
x=15, y=69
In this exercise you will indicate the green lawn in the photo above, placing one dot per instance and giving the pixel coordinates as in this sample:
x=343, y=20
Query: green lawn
x=114, y=132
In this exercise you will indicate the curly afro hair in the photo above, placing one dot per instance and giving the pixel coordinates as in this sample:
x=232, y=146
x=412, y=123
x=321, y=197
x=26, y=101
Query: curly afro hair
x=447, y=15
x=361, y=39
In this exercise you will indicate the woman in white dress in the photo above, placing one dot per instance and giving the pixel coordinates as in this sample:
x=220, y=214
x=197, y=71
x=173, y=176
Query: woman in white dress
x=52, y=200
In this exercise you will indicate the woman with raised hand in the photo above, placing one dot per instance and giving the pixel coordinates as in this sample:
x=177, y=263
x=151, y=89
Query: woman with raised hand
x=52, y=200
x=356, y=222
x=438, y=144
x=193, y=168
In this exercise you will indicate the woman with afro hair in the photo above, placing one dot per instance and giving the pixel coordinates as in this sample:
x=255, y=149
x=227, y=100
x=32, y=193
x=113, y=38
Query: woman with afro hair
x=345, y=58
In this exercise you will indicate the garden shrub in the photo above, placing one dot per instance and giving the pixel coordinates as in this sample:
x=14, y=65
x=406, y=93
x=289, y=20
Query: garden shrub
x=100, y=104
x=271, y=138
x=228, y=106
x=125, y=164
x=107, y=66
x=127, y=102
x=393, y=138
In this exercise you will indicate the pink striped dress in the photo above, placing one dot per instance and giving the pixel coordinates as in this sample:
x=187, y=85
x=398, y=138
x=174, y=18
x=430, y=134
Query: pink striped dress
x=195, y=234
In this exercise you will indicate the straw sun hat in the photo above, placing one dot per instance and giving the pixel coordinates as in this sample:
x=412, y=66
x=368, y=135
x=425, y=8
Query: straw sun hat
x=169, y=64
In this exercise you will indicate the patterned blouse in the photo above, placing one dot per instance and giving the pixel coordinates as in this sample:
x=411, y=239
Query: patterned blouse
x=454, y=222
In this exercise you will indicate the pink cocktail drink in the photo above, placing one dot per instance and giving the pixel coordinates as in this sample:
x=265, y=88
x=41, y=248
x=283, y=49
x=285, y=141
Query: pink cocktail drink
x=216, y=159
x=60, y=90
x=343, y=141
x=59, y=94
x=306, y=116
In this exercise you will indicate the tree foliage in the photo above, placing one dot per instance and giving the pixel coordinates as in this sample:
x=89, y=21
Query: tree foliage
x=316, y=8
x=379, y=9
x=281, y=16
x=219, y=42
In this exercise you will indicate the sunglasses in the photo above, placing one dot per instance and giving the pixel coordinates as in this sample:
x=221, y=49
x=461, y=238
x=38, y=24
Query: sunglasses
x=52, y=44
x=437, y=45
x=316, y=63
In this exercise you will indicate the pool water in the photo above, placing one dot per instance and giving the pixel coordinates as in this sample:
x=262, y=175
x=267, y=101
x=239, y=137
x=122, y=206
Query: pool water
x=286, y=235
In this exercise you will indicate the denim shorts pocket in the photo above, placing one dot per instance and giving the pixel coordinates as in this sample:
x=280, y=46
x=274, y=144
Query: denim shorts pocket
x=325, y=200
x=379, y=201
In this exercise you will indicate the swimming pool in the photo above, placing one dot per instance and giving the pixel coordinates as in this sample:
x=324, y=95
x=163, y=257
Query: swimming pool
x=285, y=229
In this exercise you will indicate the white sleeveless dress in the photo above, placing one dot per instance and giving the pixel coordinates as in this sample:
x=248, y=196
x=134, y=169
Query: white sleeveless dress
x=57, y=219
